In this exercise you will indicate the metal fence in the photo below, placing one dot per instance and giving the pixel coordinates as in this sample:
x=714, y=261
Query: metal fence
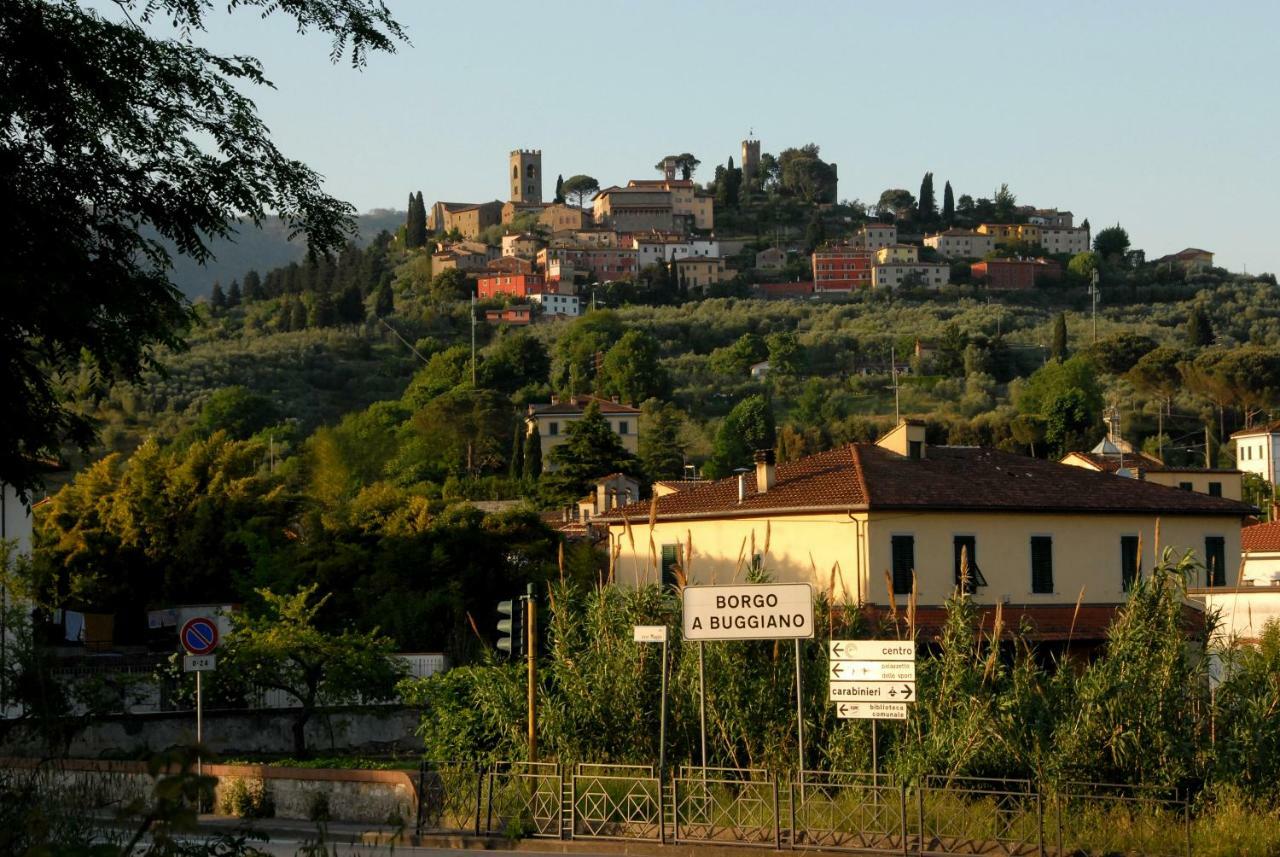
x=813, y=810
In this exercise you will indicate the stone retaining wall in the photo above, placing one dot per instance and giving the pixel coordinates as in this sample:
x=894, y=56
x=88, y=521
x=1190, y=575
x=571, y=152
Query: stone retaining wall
x=375, y=797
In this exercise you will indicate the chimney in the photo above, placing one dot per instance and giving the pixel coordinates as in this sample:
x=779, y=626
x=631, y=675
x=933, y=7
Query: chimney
x=742, y=487
x=555, y=398
x=766, y=474
x=615, y=399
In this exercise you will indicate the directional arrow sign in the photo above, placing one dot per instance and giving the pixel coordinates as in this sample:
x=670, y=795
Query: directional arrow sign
x=872, y=691
x=873, y=670
x=872, y=650
x=872, y=710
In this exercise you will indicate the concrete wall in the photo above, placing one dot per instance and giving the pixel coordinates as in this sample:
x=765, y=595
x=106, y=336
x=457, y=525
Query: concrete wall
x=359, y=796
x=371, y=729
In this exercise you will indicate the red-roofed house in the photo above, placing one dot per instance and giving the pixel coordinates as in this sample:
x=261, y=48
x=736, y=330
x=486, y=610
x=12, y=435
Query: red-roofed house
x=1191, y=257
x=866, y=522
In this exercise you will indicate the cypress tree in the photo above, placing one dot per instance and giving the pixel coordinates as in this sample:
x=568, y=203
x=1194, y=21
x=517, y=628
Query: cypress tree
x=415, y=233
x=298, y=316
x=928, y=205
x=233, y=294
x=217, y=300
x=515, y=467
x=1058, y=351
x=384, y=302
x=533, y=454
x=1199, y=329
x=948, y=204
x=559, y=200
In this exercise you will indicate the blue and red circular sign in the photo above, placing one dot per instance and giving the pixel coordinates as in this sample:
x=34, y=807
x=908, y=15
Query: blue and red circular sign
x=199, y=636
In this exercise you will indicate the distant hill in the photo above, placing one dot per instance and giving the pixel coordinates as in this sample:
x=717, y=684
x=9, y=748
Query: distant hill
x=264, y=249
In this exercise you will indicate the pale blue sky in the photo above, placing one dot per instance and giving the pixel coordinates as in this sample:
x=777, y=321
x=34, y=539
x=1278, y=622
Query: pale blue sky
x=1159, y=115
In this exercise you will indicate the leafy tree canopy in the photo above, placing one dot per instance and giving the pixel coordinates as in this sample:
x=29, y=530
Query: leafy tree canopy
x=107, y=131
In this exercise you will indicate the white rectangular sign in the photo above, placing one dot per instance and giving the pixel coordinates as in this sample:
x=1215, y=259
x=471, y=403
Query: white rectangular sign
x=198, y=663
x=650, y=633
x=873, y=691
x=873, y=671
x=872, y=710
x=872, y=650
x=752, y=611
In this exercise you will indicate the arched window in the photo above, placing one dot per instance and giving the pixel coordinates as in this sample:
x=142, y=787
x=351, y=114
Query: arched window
x=531, y=172
x=515, y=171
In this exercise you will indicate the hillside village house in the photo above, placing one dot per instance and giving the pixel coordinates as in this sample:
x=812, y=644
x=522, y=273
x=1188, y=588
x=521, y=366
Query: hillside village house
x=873, y=236
x=897, y=253
x=1257, y=449
x=553, y=418
x=960, y=244
x=568, y=306
x=1020, y=274
x=1191, y=258
x=841, y=268
x=1038, y=535
x=699, y=271
x=892, y=275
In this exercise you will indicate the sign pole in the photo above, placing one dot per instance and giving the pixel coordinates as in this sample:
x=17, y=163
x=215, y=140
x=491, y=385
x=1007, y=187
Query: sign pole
x=662, y=717
x=875, y=761
x=199, y=728
x=799, y=713
x=702, y=705
x=532, y=643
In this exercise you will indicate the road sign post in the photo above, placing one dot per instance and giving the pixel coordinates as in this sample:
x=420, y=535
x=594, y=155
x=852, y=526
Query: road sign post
x=658, y=634
x=199, y=636
x=751, y=611
x=872, y=680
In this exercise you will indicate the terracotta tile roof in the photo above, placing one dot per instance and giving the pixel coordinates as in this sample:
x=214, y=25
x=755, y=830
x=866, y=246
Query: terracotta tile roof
x=1264, y=538
x=1272, y=427
x=578, y=404
x=866, y=476
x=681, y=484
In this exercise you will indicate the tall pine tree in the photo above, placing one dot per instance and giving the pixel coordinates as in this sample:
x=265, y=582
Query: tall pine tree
x=217, y=300
x=253, y=287
x=384, y=302
x=948, y=204
x=233, y=294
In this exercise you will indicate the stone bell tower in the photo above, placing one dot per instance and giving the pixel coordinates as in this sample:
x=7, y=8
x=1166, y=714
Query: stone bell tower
x=526, y=176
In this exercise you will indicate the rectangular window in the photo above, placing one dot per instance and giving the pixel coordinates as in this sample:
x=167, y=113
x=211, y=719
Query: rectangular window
x=622, y=427
x=1215, y=489
x=904, y=563
x=553, y=429
x=1130, y=561
x=1042, y=564
x=670, y=559
x=1215, y=557
x=968, y=546
x=1185, y=486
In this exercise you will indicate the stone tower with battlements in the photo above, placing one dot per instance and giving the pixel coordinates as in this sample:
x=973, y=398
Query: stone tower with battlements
x=750, y=158
x=525, y=170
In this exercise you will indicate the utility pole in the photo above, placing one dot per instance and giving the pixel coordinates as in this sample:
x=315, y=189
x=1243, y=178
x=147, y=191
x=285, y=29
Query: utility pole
x=473, y=341
x=1093, y=293
x=531, y=644
x=893, y=369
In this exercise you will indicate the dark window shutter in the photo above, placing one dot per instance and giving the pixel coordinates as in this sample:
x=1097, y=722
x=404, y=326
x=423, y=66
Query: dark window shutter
x=1129, y=562
x=1215, y=555
x=904, y=562
x=968, y=545
x=1041, y=564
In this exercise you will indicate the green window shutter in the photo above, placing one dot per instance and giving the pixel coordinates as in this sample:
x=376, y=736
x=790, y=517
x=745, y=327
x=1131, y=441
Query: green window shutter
x=1215, y=557
x=904, y=563
x=1130, y=563
x=1041, y=564
x=670, y=559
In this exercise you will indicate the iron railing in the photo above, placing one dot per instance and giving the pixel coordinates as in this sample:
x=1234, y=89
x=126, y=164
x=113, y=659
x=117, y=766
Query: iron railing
x=818, y=810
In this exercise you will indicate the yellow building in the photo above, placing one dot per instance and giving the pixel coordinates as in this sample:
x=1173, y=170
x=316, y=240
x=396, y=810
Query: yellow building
x=1106, y=458
x=897, y=253
x=960, y=244
x=868, y=522
x=686, y=200
x=700, y=271
x=553, y=418
x=892, y=275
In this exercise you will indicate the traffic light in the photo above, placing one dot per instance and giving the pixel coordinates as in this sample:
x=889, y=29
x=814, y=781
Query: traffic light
x=510, y=641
